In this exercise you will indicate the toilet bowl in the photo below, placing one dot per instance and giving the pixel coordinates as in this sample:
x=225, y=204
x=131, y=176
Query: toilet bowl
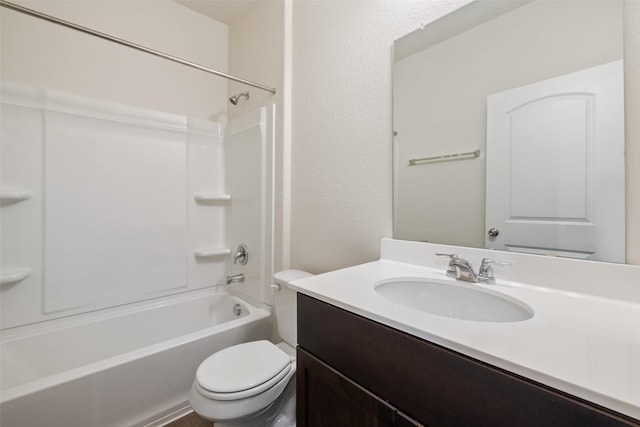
x=253, y=384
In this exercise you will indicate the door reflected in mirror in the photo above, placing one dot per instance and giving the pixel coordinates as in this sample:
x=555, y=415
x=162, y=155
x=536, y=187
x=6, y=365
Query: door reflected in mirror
x=537, y=89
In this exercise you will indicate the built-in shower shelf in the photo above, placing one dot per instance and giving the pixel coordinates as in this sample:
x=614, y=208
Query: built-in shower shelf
x=211, y=252
x=211, y=197
x=13, y=196
x=14, y=276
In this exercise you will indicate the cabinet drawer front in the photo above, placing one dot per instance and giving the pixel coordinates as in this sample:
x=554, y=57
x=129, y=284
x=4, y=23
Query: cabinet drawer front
x=432, y=384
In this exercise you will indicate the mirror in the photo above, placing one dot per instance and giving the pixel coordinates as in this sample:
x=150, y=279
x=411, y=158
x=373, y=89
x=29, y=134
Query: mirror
x=509, y=129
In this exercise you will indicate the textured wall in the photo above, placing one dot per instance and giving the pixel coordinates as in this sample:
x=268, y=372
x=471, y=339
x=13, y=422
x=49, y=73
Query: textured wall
x=42, y=54
x=341, y=133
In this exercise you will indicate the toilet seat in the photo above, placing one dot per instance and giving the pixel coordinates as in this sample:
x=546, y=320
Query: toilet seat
x=242, y=371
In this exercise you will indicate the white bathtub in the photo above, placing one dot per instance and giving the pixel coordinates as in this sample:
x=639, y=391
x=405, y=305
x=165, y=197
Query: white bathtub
x=125, y=366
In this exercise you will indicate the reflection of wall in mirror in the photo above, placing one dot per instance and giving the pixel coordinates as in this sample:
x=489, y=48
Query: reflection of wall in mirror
x=440, y=105
x=632, y=128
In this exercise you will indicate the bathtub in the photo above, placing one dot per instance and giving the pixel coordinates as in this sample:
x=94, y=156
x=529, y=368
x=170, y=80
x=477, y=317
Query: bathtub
x=125, y=366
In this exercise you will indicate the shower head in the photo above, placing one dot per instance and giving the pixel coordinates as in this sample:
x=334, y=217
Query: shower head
x=235, y=98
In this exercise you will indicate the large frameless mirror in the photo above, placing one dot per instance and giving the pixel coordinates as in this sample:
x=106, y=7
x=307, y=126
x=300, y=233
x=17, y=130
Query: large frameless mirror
x=509, y=129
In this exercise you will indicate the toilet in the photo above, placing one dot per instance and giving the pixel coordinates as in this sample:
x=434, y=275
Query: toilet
x=253, y=384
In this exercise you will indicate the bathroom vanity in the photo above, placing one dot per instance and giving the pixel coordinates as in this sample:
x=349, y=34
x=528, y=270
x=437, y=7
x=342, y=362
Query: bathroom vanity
x=353, y=371
x=363, y=360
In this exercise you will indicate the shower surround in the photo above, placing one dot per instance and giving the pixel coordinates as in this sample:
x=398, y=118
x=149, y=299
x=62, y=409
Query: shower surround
x=106, y=205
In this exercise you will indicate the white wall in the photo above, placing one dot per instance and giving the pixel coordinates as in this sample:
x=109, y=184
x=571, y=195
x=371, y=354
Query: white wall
x=41, y=54
x=341, y=134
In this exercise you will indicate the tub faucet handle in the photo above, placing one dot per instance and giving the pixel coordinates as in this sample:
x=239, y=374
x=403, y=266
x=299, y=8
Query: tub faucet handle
x=241, y=255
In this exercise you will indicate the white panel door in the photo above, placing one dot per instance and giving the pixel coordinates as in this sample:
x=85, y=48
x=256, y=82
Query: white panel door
x=555, y=166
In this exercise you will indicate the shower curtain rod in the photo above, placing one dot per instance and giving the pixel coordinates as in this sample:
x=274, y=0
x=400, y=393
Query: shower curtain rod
x=122, y=42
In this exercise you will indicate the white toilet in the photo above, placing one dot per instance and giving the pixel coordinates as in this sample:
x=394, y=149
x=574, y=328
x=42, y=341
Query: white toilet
x=253, y=384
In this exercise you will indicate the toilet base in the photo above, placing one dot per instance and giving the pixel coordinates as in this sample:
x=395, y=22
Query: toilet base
x=282, y=413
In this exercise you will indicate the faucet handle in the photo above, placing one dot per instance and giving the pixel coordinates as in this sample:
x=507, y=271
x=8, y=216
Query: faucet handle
x=451, y=271
x=485, y=274
x=241, y=255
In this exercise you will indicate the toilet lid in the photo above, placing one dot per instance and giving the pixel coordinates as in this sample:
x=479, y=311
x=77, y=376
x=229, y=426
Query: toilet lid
x=241, y=367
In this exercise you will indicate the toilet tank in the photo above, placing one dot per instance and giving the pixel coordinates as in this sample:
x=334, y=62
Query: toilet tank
x=285, y=306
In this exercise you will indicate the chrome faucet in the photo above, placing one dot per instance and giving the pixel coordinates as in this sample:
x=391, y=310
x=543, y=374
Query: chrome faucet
x=464, y=270
x=235, y=278
x=460, y=269
x=485, y=274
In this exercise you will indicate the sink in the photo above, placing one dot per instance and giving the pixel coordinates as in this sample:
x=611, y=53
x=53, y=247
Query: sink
x=453, y=300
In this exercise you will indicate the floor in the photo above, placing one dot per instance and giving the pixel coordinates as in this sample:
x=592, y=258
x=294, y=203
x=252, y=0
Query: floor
x=191, y=420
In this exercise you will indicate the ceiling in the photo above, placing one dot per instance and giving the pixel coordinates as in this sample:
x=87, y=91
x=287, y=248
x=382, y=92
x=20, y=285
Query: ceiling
x=225, y=11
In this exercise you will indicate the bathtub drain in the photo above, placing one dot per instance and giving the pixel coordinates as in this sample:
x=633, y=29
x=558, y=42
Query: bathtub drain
x=237, y=309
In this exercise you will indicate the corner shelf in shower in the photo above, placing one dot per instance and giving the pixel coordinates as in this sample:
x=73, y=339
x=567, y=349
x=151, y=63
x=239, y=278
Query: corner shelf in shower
x=14, y=196
x=211, y=197
x=14, y=276
x=211, y=252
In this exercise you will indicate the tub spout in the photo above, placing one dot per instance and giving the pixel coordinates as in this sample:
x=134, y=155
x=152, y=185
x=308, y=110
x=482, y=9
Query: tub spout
x=235, y=278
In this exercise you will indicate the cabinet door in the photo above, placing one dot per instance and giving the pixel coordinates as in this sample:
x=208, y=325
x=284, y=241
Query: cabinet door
x=327, y=398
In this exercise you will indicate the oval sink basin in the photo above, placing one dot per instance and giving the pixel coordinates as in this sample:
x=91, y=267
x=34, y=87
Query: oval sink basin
x=453, y=300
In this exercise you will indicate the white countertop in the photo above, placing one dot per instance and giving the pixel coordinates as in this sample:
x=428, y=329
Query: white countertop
x=584, y=344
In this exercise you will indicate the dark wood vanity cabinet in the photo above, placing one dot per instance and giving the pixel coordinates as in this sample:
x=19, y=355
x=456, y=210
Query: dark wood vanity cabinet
x=356, y=372
x=331, y=399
